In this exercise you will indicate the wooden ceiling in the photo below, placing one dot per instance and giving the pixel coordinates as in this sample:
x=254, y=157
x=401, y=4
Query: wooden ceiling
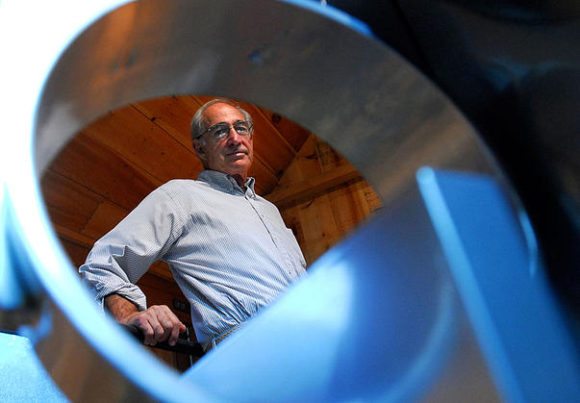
x=113, y=163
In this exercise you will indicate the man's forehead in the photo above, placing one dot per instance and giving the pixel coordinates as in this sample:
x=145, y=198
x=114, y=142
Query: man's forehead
x=221, y=112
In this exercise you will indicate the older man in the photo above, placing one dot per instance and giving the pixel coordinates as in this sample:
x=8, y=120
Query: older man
x=227, y=248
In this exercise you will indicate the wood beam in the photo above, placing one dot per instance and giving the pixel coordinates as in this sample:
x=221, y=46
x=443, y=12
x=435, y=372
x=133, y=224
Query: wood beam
x=73, y=236
x=293, y=193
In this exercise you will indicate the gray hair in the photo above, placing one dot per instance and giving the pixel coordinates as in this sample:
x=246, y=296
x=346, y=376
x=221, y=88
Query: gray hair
x=199, y=125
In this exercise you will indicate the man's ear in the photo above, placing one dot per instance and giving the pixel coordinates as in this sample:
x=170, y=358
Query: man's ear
x=199, y=148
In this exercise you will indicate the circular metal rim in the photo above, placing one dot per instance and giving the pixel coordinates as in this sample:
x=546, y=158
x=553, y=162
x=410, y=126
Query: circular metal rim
x=270, y=60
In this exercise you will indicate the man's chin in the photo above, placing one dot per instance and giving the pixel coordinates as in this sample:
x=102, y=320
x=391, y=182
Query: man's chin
x=238, y=168
x=238, y=160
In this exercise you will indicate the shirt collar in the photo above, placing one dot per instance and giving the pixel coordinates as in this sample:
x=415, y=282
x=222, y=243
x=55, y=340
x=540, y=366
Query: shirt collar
x=225, y=182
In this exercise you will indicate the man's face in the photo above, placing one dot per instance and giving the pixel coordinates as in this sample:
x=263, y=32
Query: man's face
x=232, y=154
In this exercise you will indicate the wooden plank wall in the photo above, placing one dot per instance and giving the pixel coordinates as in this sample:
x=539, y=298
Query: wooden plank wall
x=322, y=198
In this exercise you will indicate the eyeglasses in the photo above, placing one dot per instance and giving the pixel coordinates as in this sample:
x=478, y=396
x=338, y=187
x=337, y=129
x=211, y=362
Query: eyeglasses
x=220, y=131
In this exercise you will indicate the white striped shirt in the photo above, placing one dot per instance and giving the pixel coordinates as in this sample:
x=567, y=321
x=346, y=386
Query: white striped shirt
x=228, y=249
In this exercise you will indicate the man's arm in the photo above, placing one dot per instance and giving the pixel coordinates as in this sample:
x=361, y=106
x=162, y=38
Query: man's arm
x=157, y=323
x=119, y=259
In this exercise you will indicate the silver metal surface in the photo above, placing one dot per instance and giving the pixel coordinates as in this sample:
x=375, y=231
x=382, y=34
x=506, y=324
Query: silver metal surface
x=326, y=75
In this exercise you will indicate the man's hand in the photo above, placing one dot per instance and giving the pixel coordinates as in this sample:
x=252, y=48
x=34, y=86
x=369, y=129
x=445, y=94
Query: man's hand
x=157, y=323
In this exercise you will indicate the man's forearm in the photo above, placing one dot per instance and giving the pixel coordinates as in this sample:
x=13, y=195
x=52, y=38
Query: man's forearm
x=121, y=308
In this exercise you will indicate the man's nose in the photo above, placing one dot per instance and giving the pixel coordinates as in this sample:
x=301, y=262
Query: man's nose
x=234, y=136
